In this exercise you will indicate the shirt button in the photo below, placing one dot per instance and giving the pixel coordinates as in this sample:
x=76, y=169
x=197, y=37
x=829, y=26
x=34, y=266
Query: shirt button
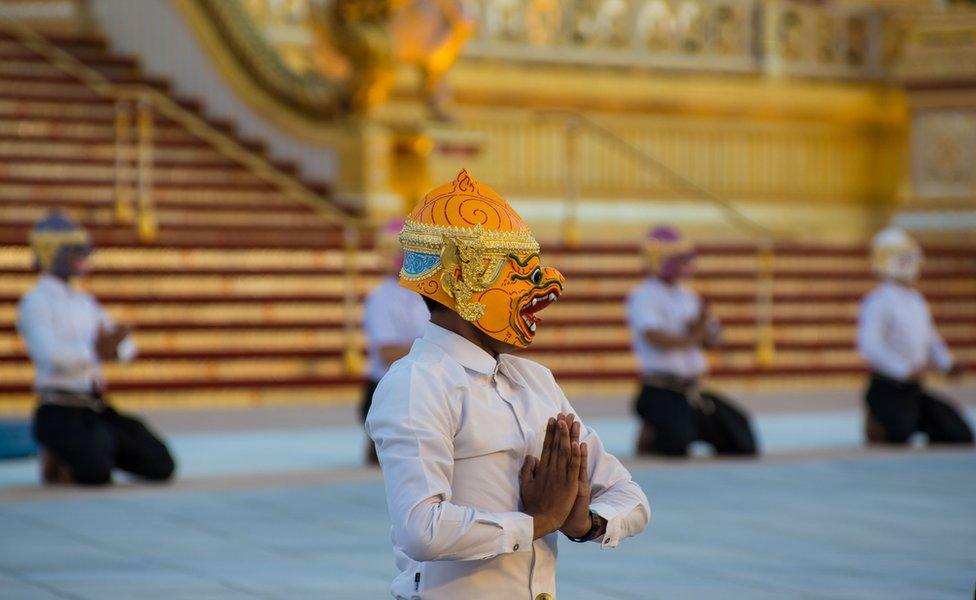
x=515, y=548
x=544, y=596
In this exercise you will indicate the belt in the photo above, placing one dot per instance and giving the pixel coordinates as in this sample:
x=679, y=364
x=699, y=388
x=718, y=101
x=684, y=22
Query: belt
x=687, y=387
x=670, y=381
x=71, y=399
x=907, y=384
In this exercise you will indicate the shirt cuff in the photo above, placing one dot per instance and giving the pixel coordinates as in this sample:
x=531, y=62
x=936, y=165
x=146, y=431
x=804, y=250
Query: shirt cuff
x=517, y=530
x=611, y=537
x=943, y=360
x=127, y=350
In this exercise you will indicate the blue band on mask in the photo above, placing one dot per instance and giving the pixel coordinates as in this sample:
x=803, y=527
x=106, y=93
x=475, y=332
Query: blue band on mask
x=418, y=264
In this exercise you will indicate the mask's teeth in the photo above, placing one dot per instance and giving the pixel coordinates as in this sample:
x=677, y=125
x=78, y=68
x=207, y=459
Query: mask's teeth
x=532, y=327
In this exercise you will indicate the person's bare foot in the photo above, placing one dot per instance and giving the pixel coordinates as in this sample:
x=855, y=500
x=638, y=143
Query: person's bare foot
x=645, y=441
x=53, y=470
x=371, y=458
x=873, y=431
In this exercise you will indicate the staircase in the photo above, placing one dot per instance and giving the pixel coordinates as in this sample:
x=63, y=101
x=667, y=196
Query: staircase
x=239, y=300
x=240, y=297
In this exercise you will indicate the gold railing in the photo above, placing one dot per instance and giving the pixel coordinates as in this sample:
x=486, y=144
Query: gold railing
x=577, y=124
x=149, y=102
x=782, y=37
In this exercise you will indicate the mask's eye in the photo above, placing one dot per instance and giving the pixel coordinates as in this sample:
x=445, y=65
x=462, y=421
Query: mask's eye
x=536, y=276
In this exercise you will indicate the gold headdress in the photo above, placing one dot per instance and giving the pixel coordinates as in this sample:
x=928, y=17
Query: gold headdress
x=458, y=243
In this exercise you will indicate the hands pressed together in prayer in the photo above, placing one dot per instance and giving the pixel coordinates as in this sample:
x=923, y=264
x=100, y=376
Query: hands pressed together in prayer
x=108, y=340
x=556, y=486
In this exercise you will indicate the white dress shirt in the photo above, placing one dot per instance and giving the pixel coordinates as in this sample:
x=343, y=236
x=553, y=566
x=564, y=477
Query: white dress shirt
x=59, y=325
x=655, y=305
x=452, y=427
x=392, y=316
x=896, y=333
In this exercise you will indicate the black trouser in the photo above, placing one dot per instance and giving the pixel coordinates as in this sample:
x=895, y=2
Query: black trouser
x=92, y=443
x=902, y=408
x=369, y=388
x=678, y=422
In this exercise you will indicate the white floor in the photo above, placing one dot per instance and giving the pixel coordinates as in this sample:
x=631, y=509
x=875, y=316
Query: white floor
x=895, y=525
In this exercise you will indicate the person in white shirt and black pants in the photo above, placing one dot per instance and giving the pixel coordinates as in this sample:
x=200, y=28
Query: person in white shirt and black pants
x=484, y=461
x=897, y=337
x=393, y=317
x=68, y=335
x=669, y=326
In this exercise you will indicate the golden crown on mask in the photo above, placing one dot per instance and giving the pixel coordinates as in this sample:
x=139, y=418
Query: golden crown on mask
x=466, y=248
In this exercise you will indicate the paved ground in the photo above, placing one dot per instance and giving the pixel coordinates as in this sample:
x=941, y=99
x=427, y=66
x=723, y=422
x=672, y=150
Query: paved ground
x=276, y=507
x=897, y=525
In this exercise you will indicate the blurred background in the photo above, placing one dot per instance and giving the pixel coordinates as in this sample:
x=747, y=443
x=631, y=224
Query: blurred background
x=233, y=158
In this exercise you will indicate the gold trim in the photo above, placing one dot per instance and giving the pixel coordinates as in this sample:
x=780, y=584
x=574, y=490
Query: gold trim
x=46, y=244
x=422, y=237
x=264, y=103
x=478, y=253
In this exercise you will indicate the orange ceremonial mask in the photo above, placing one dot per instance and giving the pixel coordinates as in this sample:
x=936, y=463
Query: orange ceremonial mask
x=466, y=247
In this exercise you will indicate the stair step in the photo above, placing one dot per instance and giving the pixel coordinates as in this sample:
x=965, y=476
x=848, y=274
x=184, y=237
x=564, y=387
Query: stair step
x=43, y=191
x=68, y=40
x=81, y=152
x=954, y=280
x=86, y=130
x=61, y=78
x=248, y=259
x=310, y=281
x=191, y=238
x=18, y=67
x=103, y=171
x=275, y=204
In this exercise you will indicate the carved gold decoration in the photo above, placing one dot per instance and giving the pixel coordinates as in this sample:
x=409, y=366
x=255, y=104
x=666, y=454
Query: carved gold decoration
x=473, y=232
x=426, y=238
x=945, y=153
x=46, y=244
x=374, y=37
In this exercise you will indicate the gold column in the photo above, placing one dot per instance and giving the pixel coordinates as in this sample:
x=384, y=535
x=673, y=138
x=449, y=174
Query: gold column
x=571, y=227
x=765, y=341
x=147, y=226
x=352, y=356
x=123, y=172
x=410, y=167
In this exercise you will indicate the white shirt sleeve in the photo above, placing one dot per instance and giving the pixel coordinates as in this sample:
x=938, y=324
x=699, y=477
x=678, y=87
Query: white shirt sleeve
x=380, y=323
x=413, y=425
x=938, y=351
x=126, y=351
x=871, y=343
x=713, y=330
x=643, y=312
x=613, y=493
x=36, y=326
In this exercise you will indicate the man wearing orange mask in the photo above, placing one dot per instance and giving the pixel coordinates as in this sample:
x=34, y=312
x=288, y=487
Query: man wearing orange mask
x=483, y=458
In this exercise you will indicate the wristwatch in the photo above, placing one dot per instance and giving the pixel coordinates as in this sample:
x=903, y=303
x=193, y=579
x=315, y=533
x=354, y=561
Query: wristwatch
x=596, y=523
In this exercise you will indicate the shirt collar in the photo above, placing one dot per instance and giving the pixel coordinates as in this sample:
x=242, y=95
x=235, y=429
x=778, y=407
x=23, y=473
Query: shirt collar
x=467, y=353
x=54, y=283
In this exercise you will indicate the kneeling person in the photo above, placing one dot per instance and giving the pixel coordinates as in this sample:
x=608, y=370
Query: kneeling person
x=483, y=459
x=897, y=337
x=68, y=335
x=669, y=326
